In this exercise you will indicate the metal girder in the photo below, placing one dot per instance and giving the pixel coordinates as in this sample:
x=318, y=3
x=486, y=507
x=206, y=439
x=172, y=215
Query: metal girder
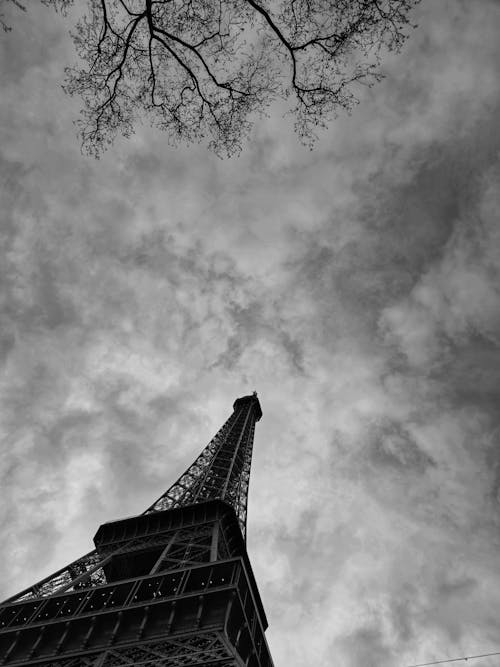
x=208, y=649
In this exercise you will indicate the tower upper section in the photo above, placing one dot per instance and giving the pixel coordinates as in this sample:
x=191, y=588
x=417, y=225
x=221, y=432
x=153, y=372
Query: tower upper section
x=222, y=470
x=173, y=585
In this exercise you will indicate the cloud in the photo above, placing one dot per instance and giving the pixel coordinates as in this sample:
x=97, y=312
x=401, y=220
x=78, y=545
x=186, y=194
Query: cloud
x=456, y=300
x=355, y=287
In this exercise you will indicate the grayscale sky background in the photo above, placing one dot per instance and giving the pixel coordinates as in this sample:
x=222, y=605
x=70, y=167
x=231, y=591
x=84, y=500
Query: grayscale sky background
x=356, y=287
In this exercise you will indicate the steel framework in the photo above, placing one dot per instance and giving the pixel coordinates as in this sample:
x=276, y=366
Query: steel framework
x=172, y=586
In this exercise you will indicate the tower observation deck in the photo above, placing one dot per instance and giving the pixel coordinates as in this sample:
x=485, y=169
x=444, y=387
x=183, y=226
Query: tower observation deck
x=170, y=587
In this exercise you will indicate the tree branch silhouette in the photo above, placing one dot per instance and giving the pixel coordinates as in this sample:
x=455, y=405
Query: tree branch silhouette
x=206, y=69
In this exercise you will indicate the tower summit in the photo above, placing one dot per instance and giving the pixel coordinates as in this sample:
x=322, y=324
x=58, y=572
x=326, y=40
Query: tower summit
x=170, y=587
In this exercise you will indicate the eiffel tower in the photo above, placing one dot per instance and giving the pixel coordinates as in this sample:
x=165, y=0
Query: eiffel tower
x=170, y=587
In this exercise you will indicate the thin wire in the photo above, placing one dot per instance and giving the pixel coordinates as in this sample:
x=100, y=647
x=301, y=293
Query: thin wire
x=442, y=662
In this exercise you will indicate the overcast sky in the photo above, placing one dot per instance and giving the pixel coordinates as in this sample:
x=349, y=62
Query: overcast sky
x=356, y=287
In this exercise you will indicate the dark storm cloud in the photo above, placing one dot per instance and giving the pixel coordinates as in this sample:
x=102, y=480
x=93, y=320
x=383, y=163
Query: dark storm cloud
x=392, y=446
x=366, y=646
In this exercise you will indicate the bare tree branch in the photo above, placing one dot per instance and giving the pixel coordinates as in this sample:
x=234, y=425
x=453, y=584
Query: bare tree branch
x=205, y=69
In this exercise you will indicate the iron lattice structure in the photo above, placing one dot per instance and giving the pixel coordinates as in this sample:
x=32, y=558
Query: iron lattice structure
x=172, y=586
x=222, y=470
